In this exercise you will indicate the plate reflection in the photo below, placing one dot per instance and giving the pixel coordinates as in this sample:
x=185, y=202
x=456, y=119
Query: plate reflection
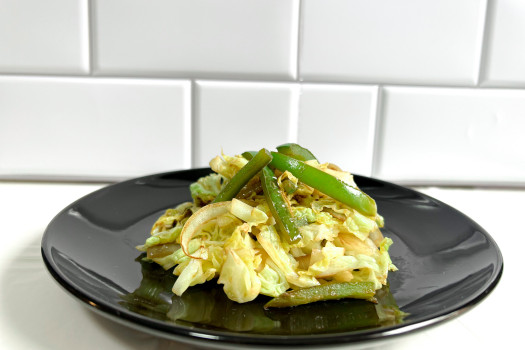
x=206, y=306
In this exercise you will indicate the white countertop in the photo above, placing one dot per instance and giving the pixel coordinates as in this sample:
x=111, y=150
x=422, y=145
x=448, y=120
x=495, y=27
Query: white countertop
x=36, y=313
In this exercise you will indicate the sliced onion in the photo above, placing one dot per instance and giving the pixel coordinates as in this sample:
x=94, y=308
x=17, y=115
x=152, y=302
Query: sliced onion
x=197, y=220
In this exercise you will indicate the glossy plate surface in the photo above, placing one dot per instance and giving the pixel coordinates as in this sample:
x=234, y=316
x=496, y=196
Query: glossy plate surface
x=447, y=264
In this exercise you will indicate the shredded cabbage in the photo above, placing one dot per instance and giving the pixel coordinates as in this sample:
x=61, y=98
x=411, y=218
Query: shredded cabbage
x=206, y=188
x=238, y=244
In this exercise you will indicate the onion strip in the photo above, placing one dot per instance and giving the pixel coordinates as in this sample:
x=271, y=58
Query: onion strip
x=197, y=220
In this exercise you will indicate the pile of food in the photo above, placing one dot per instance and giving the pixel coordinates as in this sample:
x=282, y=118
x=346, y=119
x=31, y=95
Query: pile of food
x=279, y=224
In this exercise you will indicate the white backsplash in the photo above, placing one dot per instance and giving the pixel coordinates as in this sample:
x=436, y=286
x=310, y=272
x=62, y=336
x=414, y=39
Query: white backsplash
x=44, y=37
x=452, y=135
x=401, y=41
x=505, y=49
x=411, y=91
x=82, y=127
x=337, y=122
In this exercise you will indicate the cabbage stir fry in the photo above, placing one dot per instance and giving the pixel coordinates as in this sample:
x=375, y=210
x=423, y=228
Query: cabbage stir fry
x=279, y=224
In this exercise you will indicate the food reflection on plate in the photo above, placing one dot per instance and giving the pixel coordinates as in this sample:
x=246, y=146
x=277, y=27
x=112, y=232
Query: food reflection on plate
x=208, y=307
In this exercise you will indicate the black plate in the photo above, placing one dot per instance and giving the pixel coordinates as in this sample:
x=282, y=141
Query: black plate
x=447, y=264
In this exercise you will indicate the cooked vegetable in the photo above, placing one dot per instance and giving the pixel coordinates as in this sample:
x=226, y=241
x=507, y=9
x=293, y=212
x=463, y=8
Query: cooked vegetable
x=326, y=183
x=249, y=155
x=197, y=220
x=295, y=151
x=162, y=250
x=276, y=203
x=206, y=189
x=245, y=174
x=270, y=224
x=327, y=291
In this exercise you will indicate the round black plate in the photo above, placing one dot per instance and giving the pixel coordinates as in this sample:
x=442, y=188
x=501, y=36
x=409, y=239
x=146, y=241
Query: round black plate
x=447, y=263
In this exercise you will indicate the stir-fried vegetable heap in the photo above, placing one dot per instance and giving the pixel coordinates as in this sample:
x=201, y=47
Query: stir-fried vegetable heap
x=278, y=224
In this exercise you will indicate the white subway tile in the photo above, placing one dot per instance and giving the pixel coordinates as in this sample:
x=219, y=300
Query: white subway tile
x=403, y=41
x=93, y=128
x=45, y=37
x=197, y=38
x=241, y=116
x=505, y=51
x=452, y=136
x=337, y=123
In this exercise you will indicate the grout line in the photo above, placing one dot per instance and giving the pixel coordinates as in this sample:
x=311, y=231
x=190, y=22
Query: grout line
x=193, y=123
x=91, y=36
x=259, y=81
x=377, y=132
x=486, y=24
x=188, y=125
x=298, y=47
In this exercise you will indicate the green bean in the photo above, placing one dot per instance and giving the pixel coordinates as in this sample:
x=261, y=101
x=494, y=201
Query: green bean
x=326, y=183
x=241, y=178
x=295, y=151
x=277, y=204
x=327, y=291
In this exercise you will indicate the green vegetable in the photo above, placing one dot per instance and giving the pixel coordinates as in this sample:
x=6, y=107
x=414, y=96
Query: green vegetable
x=259, y=161
x=249, y=154
x=295, y=151
x=278, y=208
x=327, y=291
x=276, y=203
x=326, y=183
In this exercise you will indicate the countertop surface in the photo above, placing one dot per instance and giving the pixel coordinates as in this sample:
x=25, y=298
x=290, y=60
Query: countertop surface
x=36, y=313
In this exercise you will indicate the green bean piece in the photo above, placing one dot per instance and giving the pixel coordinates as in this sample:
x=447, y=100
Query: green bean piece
x=278, y=208
x=327, y=291
x=326, y=183
x=239, y=180
x=295, y=151
x=249, y=154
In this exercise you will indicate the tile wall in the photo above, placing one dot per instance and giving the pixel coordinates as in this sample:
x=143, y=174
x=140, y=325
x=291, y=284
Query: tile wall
x=410, y=91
